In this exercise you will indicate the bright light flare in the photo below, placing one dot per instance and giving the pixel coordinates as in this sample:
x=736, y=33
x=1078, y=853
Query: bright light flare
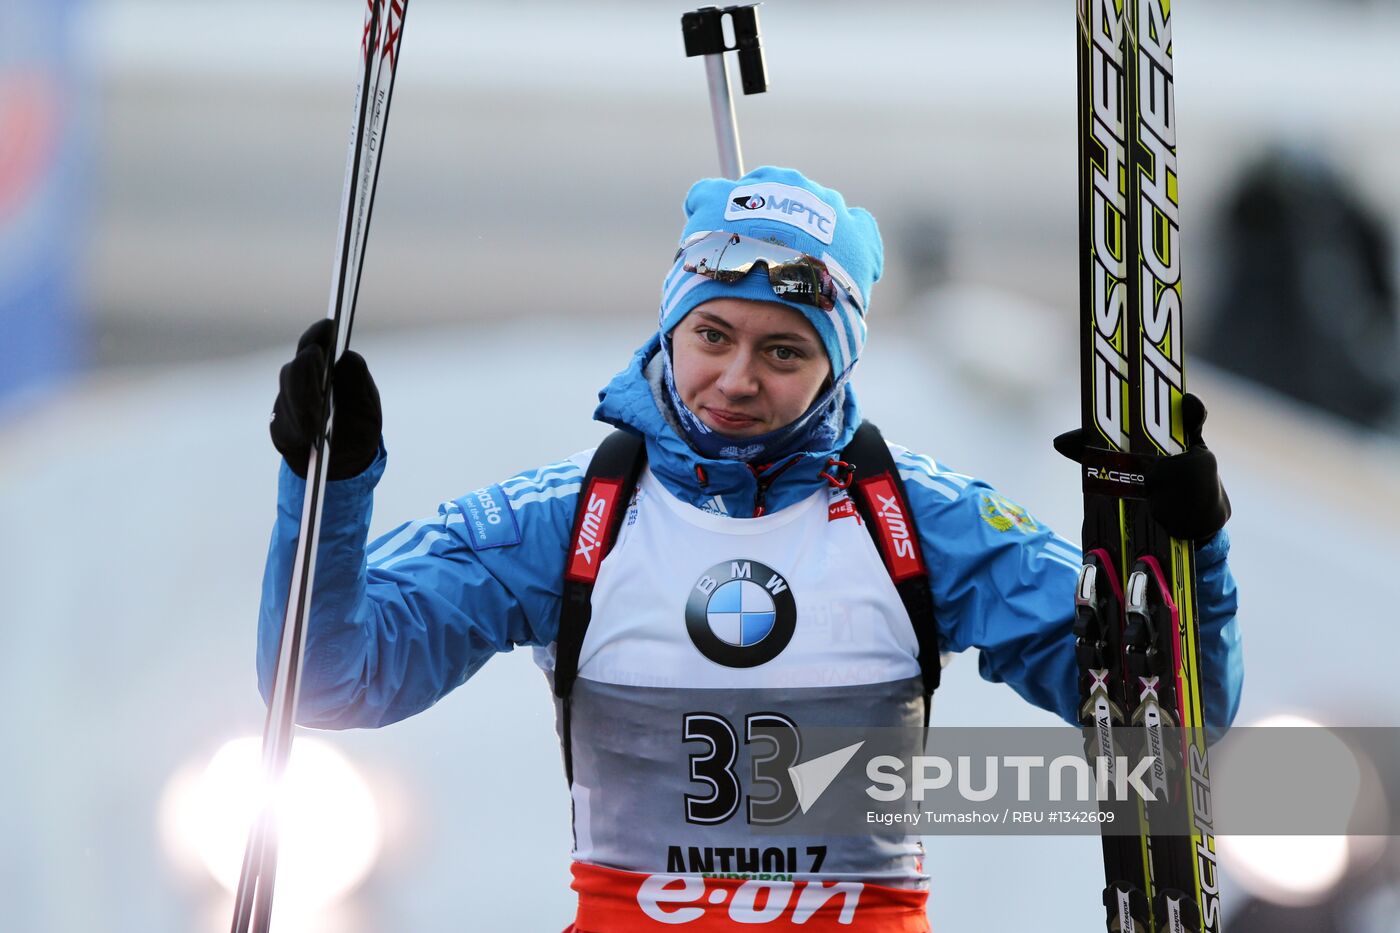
x=1297, y=871
x=328, y=825
x=1294, y=871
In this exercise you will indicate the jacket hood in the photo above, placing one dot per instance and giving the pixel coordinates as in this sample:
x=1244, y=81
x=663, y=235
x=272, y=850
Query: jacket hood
x=633, y=401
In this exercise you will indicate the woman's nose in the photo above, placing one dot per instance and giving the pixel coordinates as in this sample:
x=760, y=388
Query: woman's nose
x=738, y=379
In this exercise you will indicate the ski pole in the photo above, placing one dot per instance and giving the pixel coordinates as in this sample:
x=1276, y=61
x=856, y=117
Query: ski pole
x=379, y=50
x=704, y=35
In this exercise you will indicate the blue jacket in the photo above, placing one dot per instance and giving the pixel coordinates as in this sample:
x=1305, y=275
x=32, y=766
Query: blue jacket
x=399, y=623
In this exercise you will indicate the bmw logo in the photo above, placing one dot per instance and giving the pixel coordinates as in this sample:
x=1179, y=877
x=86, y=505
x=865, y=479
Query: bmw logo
x=740, y=613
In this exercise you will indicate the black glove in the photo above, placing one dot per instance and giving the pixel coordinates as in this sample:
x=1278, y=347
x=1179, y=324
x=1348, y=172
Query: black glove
x=297, y=412
x=1184, y=491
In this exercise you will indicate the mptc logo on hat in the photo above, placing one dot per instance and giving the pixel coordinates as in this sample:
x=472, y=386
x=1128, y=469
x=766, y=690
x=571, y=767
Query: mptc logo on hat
x=796, y=207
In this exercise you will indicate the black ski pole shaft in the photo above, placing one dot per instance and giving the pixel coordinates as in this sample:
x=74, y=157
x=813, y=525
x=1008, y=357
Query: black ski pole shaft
x=392, y=32
x=252, y=899
x=380, y=44
x=704, y=36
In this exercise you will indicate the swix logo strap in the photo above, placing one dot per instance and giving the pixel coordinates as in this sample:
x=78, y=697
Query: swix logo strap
x=591, y=530
x=890, y=516
x=880, y=497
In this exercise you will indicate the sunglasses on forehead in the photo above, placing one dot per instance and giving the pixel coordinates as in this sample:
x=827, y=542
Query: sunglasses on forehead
x=794, y=276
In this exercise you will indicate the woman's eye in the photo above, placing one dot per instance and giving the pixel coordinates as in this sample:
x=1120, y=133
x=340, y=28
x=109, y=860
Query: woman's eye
x=785, y=354
x=711, y=336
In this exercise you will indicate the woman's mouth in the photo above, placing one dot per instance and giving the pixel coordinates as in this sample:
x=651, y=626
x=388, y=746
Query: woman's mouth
x=729, y=420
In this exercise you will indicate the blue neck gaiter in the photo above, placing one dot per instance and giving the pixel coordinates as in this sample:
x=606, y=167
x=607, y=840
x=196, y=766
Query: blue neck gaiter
x=816, y=429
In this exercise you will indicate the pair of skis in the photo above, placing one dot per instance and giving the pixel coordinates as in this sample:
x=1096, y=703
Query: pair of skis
x=379, y=54
x=1136, y=626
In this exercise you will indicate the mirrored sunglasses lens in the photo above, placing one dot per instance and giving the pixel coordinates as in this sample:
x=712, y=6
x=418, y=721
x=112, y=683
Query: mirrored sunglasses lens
x=794, y=276
x=802, y=281
x=722, y=257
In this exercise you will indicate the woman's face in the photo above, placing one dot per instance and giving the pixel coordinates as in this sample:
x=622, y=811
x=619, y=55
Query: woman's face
x=747, y=367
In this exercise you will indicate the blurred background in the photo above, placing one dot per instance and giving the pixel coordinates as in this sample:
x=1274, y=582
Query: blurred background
x=170, y=175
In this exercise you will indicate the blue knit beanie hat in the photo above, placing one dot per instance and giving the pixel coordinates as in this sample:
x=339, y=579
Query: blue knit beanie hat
x=783, y=206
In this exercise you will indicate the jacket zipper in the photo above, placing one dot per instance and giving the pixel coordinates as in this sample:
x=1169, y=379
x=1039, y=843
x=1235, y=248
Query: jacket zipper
x=764, y=482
